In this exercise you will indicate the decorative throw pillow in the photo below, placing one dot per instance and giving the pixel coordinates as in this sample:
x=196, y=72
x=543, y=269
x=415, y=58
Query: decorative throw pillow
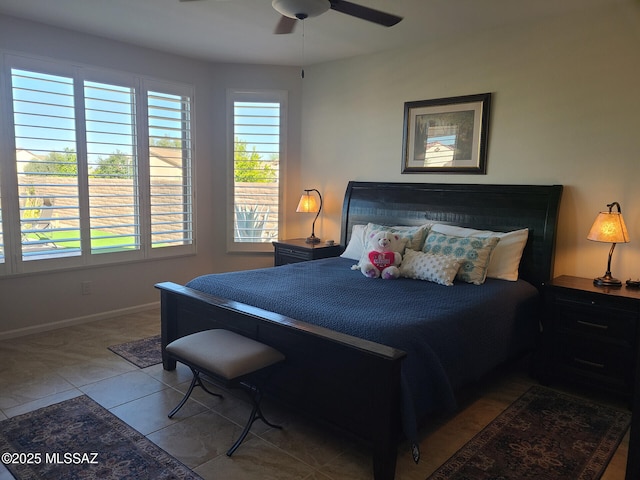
x=505, y=259
x=415, y=235
x=472, y=252
x=356, y=244
x=440, y=269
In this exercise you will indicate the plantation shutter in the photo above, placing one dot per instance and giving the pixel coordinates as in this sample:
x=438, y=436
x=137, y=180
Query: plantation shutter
x=103, y=167
x=113, y=167
x=170, y=169
x=46, y=164
x=256, y=170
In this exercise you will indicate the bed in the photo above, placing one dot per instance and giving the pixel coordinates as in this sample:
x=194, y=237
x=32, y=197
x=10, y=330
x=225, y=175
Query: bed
x=371, y=366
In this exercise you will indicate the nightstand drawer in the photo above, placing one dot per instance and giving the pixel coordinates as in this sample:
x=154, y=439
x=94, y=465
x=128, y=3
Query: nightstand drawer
x=595, y=303
x=294, y=254
x=298, y=250
x=614, y=365
x=616, y=326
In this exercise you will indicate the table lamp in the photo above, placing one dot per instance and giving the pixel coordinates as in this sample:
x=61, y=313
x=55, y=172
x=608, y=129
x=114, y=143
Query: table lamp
x=609, y=227
x=308, y=204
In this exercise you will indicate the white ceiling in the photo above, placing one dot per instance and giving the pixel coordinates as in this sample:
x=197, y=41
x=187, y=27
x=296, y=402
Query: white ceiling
x=241, y=31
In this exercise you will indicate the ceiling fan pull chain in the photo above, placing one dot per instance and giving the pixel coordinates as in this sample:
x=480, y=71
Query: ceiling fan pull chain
x=302, y=70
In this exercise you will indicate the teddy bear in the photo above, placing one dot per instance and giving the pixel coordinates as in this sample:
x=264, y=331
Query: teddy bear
x=382, y=256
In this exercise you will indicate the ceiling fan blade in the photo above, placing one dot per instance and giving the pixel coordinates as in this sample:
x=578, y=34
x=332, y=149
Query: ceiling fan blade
x=285, y=25
x=365, y=13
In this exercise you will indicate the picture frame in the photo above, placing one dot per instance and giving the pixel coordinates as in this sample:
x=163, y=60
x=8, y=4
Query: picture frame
x=446, y=135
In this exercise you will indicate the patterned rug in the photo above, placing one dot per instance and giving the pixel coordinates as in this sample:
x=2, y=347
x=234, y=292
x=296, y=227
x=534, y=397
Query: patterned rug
x=142, y=353
x=80, y=439
x=544, y=435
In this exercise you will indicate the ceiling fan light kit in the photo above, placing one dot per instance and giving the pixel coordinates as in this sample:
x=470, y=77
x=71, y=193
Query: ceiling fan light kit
x=301, y=9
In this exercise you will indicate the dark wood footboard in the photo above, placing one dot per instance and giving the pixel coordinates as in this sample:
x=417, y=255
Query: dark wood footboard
x=351, y=383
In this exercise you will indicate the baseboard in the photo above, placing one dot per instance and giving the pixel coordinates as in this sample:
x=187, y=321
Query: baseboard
x=21, y=332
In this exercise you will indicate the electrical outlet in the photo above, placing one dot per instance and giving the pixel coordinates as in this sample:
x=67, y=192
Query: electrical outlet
x=85, y=287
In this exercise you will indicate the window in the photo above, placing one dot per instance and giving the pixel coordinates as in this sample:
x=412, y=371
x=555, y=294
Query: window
x=170, y=169
x=258, y=121
x=102, y=167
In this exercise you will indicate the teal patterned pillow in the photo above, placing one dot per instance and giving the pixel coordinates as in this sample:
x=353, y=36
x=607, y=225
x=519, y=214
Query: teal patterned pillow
x=472, y=252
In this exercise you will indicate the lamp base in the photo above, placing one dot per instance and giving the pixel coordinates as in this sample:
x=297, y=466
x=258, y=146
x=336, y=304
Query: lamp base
x=312, y=239
x=607, y=281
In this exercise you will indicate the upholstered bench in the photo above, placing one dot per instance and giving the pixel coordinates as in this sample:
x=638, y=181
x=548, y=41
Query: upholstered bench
x=231, y=360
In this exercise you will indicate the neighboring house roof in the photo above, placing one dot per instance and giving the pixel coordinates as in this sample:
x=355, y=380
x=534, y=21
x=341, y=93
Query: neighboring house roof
x=164, y=160
x=166, y=156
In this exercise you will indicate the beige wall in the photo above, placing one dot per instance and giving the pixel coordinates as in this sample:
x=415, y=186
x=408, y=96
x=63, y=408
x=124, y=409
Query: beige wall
x=31, y=302
x=566, y=110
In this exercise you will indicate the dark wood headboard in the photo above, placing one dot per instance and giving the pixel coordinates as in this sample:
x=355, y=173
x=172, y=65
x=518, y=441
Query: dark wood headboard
x=501, y=208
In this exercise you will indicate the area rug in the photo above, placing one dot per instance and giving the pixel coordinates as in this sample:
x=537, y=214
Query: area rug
x=142, y=353
x=79, y=439
x=544, y=435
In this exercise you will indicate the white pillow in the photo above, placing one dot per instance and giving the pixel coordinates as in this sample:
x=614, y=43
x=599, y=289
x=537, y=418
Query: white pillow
x=415, y=235
x=360, y=233
x=440, y=269
x=356, y=244
x=505, y=259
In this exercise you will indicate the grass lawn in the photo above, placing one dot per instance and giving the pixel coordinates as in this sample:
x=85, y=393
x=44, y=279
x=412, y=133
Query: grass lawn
x=70, y=239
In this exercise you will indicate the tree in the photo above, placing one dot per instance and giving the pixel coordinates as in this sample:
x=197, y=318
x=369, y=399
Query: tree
x=165, y=141
x=249, y=166
x=58, y=163
x=116, y=165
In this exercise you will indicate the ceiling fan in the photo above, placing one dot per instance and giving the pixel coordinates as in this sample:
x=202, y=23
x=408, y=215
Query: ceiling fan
x=294, y=10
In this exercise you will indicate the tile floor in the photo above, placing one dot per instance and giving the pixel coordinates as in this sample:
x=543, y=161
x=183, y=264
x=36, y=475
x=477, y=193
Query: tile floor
x=46, y=368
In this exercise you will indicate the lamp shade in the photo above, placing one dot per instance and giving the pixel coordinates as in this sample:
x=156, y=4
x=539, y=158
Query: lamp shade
x=308, y=203
x=609, y=227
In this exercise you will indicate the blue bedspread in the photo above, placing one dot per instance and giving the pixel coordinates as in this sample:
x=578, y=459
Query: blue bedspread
x=452, y=335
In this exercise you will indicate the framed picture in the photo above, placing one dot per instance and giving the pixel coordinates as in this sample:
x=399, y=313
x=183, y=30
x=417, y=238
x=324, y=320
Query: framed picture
x=446, y=135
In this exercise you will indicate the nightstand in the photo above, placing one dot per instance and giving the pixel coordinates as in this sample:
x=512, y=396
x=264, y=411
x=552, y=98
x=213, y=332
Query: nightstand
x=590, y=334
x=297, y=250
